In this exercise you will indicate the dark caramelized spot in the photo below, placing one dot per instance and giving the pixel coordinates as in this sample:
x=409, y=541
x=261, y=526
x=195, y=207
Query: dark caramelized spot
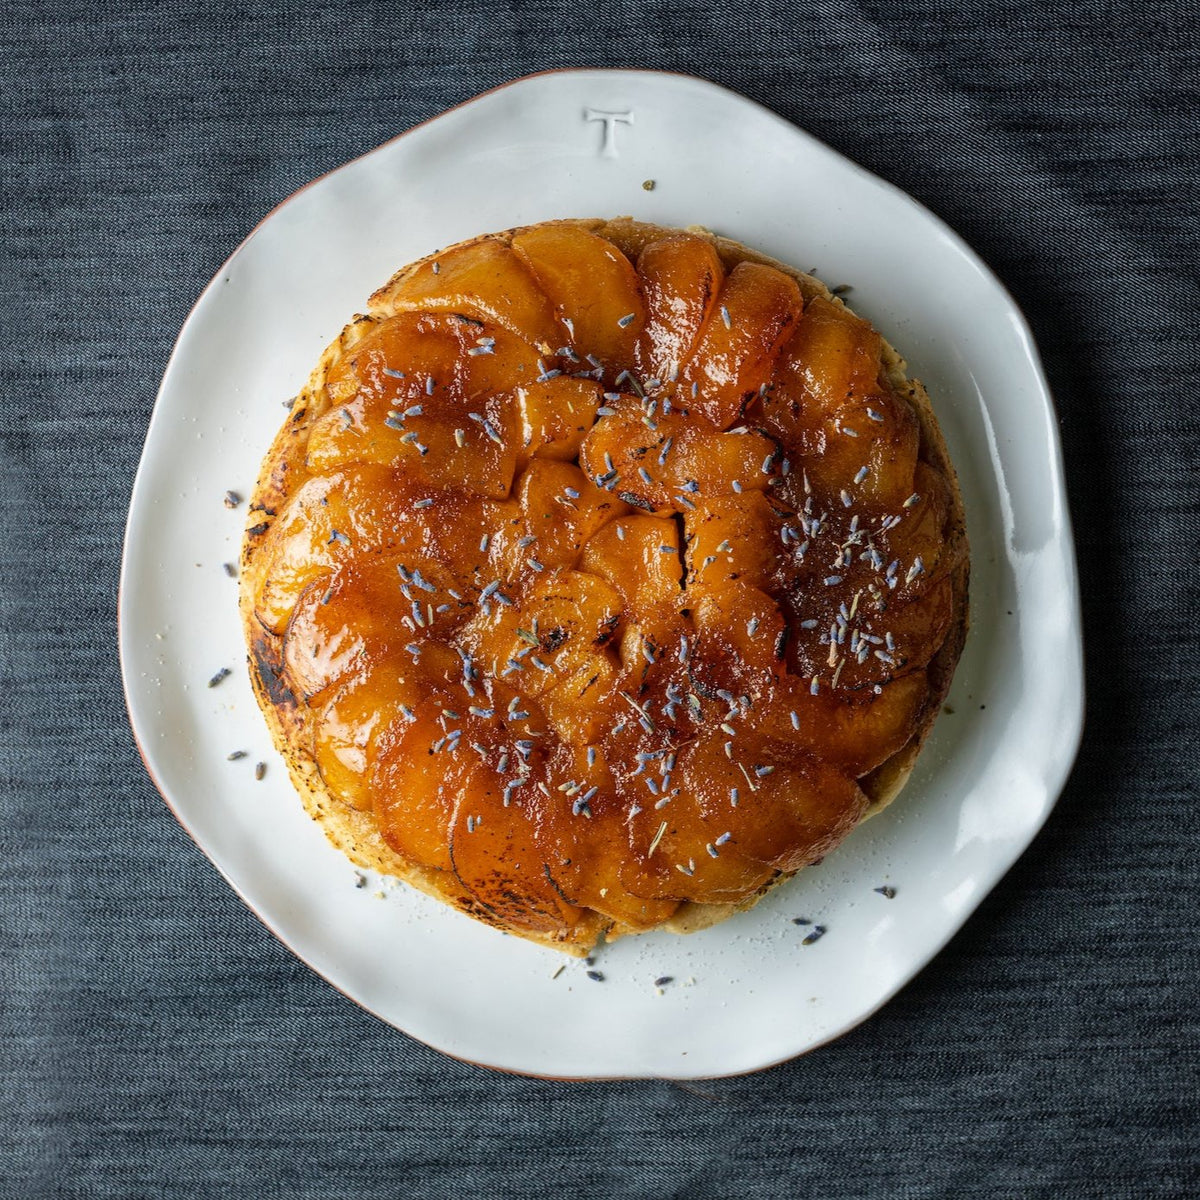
x=268, y=667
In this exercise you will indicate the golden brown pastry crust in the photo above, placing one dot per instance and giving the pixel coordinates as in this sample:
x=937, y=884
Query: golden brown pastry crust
x=290, y=721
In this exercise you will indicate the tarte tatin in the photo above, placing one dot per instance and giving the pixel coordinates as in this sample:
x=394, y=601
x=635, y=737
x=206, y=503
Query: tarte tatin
x=601, y=576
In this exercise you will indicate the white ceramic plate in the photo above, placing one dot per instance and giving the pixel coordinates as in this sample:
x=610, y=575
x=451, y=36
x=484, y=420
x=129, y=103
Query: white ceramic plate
x=747, y=993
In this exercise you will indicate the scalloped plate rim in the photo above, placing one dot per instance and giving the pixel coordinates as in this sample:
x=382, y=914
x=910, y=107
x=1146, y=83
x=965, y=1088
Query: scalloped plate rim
x=1055, y=771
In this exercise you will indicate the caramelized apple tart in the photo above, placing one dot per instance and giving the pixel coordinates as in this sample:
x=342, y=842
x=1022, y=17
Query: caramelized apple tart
x=601, y=576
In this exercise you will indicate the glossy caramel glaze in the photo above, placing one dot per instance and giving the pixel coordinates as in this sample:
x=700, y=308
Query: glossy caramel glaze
x=600, y=571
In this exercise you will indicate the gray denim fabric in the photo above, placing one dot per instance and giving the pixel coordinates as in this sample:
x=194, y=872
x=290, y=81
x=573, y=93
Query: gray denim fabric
x=155, y=1039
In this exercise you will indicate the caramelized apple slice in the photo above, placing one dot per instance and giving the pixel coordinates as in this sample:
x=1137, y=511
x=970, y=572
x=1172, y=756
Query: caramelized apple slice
x=798, y=813
x=791, y=809
x=483, y=279
x=358, y=711
x=846, y=429
x=544, y=636
x=574, y=617
x=894, y=442
x=555, y=416
x=669, y=463
x=740, y=637
x=561, y=508
x=580, y=838
x=620, y=453
x=883, y=639
x=592, y=286
x=642, y=648
x=866, y=448
x=640, y=556
x=703, y=465
x=881, y=593
x=577, y=707
x=755, y=313
x=328, y=521
x=855, y=731
x=414, y=786
x=432, y=395
x=732, y=539
x=651, y=709
x=321, y=647
x=780, y=812
x=918, y=539
x=681, y=276
x=446, y=750
x=832, y=356
x=695, y=853
x=917, y=629
x=496, y=858
x=366, y=611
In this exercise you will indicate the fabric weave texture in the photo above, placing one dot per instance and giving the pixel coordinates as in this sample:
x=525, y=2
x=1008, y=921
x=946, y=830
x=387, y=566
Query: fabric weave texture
x=156, y=1040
